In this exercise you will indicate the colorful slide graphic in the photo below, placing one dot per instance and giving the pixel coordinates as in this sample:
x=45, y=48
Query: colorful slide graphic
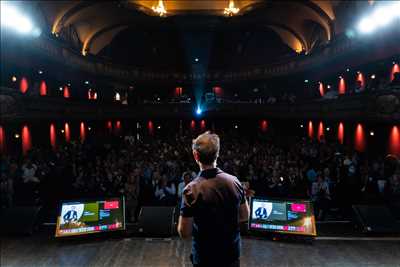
x=282, y=216
x=84, y=217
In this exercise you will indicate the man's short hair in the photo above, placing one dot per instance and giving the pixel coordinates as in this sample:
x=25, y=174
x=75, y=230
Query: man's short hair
x=207, y=145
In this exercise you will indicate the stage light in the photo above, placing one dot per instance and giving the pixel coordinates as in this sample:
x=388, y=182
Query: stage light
x=62, y=131
x=196, y=59
x=198, y=111
x=329, y=86
x=340, y=77
x=69, y=84
x=16, y=136
x=89, y=128
x=12, y=18
x=40, y=72
x=158, y=127
x=158, y=99
x=328, y=129
x=371, y=133
x=373, y=76
x=301, y=126
x=382, y=16
x=366, y=25
x=86, y=82
x=347, y=70
x=13, y=79
x=236, y=127
x=306, y=81
x=60, y=88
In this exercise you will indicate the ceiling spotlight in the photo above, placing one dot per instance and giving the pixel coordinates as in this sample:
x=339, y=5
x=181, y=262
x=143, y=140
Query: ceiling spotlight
x=11, y=17
x=40, y=72
x=236, y=126
x=328, y=129
x=306, y=81
x=13, y=79
x=371, y=133
x=69, y=84
x=231, y=10
x=86, y=82
x=16, y=136
x=89, y=128
x=373, y=76
x=340, y=77
x=198, y=111
x=60, y=88
x=301, y=126
x=62, y=131
x=329, y=86
x=158, y=127
x=347, y=69
x=160, y=9
x=394, y=63
x=196, y=59
x=366, y=25
x=158, y=99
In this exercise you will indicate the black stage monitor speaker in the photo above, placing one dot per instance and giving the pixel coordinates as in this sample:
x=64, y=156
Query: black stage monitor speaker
x=156, y=221
x=375, y=219
x=18, y=220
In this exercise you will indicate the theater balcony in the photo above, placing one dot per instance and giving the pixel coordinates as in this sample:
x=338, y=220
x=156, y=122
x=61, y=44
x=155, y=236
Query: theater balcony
x=382, y=106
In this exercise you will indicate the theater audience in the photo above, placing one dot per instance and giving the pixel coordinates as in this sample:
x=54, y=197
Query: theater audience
x=154, y=171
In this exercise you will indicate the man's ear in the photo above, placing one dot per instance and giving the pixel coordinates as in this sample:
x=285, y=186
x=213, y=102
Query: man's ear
x=196, y=155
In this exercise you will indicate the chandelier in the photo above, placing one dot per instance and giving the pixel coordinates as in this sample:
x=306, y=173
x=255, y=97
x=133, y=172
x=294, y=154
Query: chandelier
x=231, y=10
x=160, y=9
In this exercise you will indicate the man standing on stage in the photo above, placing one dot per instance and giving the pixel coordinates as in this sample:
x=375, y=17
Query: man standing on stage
x=213, y=205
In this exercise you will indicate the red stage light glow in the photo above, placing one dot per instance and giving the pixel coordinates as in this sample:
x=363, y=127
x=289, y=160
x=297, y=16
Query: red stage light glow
x=150, y=127
x=202, y=125
x=117, y=127
x=342, y=86
x=264, y=125
x=394, y=141
x=82, y=132
x=395, y=69
x=321, y=131
x=26, y=139
x=321, y=89
x=67, y=132
x=109, y=125
x=359, y=138
x=43, y=88
x=53, y=136
x=66, y=92
x=2, y=140
x=23, y=85
x=193, y=125
x=360, y=77
x=341, y=133
x=310, y=130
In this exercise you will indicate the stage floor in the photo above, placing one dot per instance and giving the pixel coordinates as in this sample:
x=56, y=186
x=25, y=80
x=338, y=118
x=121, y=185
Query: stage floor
x=44, y=250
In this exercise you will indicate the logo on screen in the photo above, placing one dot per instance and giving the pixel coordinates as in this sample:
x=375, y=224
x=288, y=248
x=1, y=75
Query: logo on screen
x=261, y=210
x=71, y=213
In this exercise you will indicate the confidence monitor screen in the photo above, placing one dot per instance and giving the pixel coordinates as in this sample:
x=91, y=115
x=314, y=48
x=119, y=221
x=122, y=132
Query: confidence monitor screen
x=282, y=216
x=93, y=216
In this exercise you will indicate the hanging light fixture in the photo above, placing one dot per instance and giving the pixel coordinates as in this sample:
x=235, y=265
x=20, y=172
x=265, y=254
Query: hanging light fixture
x=231, y=10
x=160, y=8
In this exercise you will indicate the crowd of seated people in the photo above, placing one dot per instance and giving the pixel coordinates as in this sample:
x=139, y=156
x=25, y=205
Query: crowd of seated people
x=154, y=171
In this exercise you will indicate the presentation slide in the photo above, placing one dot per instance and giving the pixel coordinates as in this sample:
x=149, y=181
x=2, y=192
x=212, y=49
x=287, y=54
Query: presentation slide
x=85, y=217
x=282, y=216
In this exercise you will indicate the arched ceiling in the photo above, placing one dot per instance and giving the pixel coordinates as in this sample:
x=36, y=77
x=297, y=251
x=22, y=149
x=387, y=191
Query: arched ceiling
x=92, y=25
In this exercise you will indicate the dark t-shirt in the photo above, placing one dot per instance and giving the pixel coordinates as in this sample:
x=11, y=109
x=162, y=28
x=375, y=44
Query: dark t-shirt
x=213, y=200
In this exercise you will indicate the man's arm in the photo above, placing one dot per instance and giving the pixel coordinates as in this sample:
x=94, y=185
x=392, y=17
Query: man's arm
x=244, y=212
x=185, y=227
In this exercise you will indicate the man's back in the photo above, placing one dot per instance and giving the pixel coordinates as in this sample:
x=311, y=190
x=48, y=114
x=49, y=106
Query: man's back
x=213, y=200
